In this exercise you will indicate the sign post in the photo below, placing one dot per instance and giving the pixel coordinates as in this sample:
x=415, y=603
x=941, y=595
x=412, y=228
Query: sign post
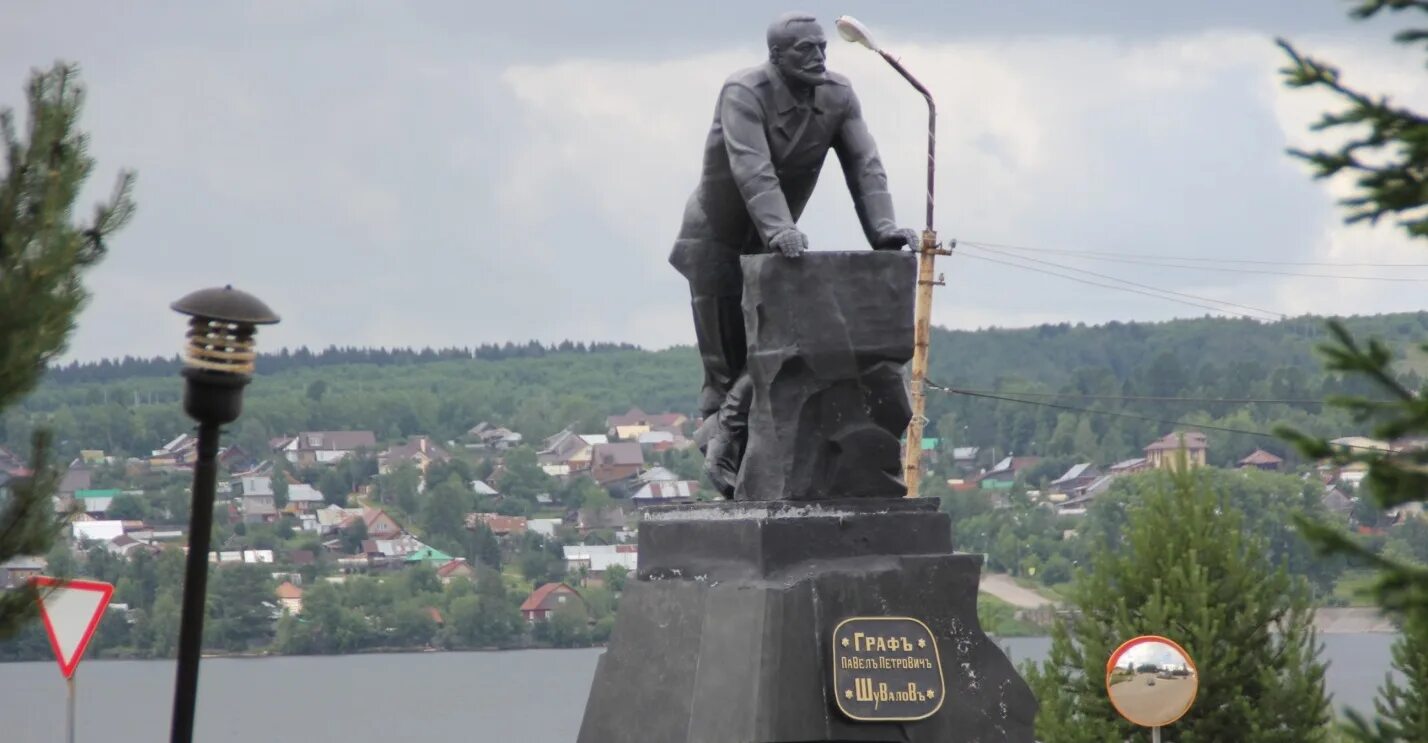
x=69, y=711
x=71, y=610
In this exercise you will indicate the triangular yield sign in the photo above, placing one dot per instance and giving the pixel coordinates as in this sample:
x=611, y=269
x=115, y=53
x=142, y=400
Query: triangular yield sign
x=71, y=610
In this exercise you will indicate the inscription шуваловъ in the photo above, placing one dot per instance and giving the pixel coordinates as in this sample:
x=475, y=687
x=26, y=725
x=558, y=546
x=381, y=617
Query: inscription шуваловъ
x=886, y=668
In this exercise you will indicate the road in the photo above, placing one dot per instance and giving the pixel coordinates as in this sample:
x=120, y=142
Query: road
x=1005, y=588
x=1152, y=705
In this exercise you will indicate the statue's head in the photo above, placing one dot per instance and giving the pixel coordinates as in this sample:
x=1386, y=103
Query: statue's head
x=798, y=48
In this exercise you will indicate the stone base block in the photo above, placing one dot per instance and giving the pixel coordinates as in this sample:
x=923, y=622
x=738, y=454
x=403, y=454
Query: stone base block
x=737, y=647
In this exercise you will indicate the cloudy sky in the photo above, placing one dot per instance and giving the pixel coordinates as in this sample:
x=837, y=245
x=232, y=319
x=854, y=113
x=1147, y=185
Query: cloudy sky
x=445, y=173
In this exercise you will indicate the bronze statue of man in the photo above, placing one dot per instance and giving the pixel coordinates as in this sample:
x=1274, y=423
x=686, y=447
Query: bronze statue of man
x=773, y=126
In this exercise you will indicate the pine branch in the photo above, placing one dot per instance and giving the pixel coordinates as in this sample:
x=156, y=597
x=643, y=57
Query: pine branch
x=1369, y=8
x=27, y=527
x=1397, y=139
x=42, y=254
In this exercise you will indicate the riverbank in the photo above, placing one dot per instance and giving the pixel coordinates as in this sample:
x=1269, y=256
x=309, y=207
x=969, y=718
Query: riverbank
x=33, y=652
x=1352, y=620
x=1014, y=608
x=532, y=696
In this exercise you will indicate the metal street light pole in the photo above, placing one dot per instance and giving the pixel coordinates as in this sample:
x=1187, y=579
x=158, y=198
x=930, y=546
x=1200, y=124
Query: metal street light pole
x=928, y=250
x=218, y=363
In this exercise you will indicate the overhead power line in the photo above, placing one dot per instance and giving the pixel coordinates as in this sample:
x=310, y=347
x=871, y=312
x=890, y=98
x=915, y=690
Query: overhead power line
x=1131, y=289
x=1191, y=259
x=1118, y=414
x=1113, y=413
x=1217, y=269
x=1272, y=313
x=1153, y=398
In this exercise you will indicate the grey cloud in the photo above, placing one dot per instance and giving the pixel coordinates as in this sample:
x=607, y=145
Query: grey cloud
x=379, y=173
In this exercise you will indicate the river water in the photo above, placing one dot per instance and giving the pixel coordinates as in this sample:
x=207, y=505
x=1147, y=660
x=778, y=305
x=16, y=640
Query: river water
x=526, y=696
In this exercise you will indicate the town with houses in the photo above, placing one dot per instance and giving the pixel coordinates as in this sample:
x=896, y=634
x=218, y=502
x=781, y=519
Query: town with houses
x=1070, y=493
x=332, y=536
x=622, y=462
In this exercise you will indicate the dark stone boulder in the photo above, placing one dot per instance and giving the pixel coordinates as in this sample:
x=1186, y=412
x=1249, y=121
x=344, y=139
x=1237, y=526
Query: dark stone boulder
x=828, y=334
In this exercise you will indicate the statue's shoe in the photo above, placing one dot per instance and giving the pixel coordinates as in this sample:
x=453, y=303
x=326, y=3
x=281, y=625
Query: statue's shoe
x=721, y=464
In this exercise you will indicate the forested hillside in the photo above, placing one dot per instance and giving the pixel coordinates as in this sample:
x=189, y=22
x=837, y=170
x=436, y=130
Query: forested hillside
x=1131, y=368
x=132, y=406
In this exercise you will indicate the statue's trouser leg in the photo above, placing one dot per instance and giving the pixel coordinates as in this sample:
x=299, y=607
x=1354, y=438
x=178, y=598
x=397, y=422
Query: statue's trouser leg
x=716, y=296
x=719, y=329
x=726, y=436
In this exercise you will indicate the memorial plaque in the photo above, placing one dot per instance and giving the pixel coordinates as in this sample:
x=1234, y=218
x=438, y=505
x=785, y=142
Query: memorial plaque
x=886, y=668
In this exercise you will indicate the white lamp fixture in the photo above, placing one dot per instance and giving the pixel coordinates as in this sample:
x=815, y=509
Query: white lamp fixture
x=851, y=29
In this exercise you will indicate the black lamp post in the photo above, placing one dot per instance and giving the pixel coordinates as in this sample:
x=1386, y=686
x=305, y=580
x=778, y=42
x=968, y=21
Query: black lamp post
x=218, y=364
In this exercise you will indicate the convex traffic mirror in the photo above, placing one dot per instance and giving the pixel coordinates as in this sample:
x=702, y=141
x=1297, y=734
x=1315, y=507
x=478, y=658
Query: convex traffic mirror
x=1151, y=681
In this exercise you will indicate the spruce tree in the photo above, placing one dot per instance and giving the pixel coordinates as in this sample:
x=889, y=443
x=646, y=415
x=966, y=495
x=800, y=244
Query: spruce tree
x=43, y=252
x=1183, y=567
x=1402, y=708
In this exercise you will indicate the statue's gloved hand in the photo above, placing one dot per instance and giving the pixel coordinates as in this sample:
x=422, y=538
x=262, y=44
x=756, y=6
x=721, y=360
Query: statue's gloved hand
x=895, y=238
x=790, y=242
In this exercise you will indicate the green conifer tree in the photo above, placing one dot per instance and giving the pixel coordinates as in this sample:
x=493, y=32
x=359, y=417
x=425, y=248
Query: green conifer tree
x=1402, y=706
x=1386, y=155
x=1184, y=568
x=43, y=251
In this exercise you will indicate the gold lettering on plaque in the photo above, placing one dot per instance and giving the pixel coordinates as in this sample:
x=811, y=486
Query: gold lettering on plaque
x=886, y=668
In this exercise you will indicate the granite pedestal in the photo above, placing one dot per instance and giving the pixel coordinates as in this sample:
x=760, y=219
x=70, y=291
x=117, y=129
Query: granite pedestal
x=724, y=634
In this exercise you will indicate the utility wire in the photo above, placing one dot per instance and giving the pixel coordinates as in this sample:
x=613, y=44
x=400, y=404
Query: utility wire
x=1110, y=286
x=1116, y=414
x=1193, y=259
x=1151, y=398
x=1074, y=409
x=1272, y=313
x=1217, y=269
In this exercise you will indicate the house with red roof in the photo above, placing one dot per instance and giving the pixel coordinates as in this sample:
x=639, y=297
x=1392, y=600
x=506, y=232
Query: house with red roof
x=631, y=424
x=289, y=597
x=456, y=568
x=1164, y=453
x=1261, y=460
x=499, y=525
x=379, y=524
x=618, y=461
x=549, y=598
x=419, y=451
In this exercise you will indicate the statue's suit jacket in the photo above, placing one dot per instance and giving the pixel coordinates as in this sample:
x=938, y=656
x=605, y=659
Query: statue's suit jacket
x=761, y=162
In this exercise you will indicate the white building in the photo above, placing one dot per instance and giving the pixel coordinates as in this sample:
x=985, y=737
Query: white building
x=598, y=558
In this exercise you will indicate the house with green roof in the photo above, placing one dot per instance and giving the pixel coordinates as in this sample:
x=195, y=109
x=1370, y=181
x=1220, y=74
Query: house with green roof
x=95, y=501
x=430, y=556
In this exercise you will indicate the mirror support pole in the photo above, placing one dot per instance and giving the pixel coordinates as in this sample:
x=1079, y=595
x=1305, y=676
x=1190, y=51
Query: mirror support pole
x=1155, y=735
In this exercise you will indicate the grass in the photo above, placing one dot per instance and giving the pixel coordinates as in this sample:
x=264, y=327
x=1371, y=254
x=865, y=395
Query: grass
x=1353, y=587
x=1055, y=592
x=1415, y=358
x=515, y=582
x=1059, y=592
x=998, y=618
